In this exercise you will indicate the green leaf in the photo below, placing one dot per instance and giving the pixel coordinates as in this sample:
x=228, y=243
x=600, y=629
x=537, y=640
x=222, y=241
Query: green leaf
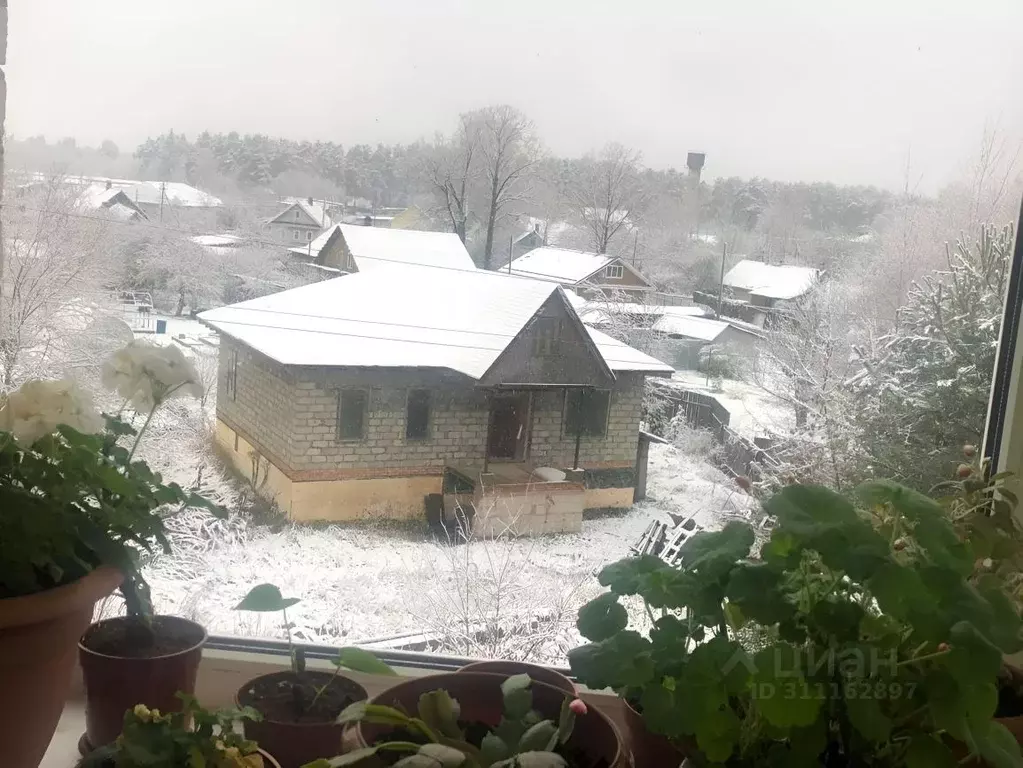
x=715, y=552
x=533, y=760
x=997, y=745
x=602, y=617
x=866, y=716
x=439, y=711
x=362, y=661
x=927, y=752
x=449, y=757
x=518, y=699
x=782, y=694
x=372, y=713
x=493, y=748
x=536, y=737
x=621, y=661
x=624, y=577
x=264, y=598
x=756, y=589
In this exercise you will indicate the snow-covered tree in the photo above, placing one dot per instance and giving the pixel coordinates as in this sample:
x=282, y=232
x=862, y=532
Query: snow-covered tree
x=924, y=392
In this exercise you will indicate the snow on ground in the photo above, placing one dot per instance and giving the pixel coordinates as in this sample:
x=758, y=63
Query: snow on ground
x=753, y=412
x=369, y=583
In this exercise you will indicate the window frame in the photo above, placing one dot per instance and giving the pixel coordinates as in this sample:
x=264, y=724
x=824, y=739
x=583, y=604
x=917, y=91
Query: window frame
x=614, y=271
x=339, y=435
x=547, y=345
x=428, y=425
x=582, y=392
x=231, y=382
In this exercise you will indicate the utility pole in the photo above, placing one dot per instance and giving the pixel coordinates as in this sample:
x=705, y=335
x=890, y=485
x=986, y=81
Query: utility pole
x=163, y=193
x=635, y=246
x=511, y=245
x=721, y=282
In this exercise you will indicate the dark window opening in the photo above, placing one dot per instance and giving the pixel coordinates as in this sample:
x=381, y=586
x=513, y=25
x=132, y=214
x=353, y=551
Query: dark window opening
x=546, y=336
x=351, y=414
x=417, y=416
x=586, y=412
x=232, y=375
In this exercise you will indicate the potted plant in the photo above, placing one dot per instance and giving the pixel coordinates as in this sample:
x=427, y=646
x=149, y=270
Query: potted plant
x=300, y=707
x=191, y=736
x=870, y=651
x=480, y=720
x=982, y=511
x=140, y=657
x=540, y=674
x=77, y=510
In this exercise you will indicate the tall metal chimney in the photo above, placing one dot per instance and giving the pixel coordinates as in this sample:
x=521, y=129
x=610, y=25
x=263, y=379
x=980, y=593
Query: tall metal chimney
x=694, y=162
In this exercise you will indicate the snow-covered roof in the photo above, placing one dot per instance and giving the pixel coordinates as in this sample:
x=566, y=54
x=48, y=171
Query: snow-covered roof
x=702, y=328
x=772, y=281
x=316, y=211
x=403, y=316
x=217, y=241
x=173, y=193
x=559, y=264
x=373, y=246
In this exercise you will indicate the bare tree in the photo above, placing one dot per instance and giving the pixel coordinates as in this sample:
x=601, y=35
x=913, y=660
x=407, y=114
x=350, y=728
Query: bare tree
x=54, y=277
x=608, y=195
x=509, y=149
x=451, y=170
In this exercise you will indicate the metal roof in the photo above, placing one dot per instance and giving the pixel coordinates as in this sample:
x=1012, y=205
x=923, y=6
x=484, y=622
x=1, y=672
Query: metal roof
x=773, y=281
x=560, y=264
x=403, y=316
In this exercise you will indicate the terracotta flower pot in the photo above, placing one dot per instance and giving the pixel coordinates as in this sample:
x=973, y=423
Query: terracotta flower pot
x=649, y=748
x=295, y=742
x=37, y=656
x=479, y=694
x=118, y=674
x=535, y=671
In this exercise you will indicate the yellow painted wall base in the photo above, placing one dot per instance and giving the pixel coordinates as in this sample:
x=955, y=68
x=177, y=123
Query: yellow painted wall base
x=614, y=498
x=339, y=500
x=401, y=498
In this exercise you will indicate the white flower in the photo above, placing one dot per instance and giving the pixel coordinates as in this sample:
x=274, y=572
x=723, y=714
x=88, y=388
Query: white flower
x=146, y=374
x=39, y=406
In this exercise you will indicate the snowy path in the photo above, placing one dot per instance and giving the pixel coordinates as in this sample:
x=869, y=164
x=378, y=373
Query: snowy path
x=371, y=581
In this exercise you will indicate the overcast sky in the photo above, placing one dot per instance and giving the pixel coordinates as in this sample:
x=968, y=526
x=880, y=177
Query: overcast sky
x=796, y=92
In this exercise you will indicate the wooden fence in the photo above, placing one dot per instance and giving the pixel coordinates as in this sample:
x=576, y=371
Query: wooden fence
x=738, y=455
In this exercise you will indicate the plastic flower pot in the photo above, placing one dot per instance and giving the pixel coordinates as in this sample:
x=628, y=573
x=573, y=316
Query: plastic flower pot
x=122, y=670
x=535, y=672
x=296, y=739
x=38, y=634
x=594, y=737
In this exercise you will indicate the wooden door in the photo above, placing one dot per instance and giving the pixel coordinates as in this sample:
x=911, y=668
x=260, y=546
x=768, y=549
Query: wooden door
x=509, y=427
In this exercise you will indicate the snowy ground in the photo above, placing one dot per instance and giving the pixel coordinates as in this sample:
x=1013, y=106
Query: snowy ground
x=753, y=412
x=373, y=583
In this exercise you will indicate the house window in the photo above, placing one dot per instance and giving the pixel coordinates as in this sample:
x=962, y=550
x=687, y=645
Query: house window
x=231, y=382
x=308, y=236
x=586, y=412
x=297, y=216
x=295, y=234
x=614, y=271
x=351, y=414
x=417, y=414
x=546, y=336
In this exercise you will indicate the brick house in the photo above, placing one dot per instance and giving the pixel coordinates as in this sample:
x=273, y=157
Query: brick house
x=366, y=394
x=591, y=275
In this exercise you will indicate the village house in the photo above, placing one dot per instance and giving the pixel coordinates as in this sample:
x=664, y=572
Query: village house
x=300, y=222
x=350, y=248
x=375, y=393
x=589, y=274
x=766, y=288
x=681, y=336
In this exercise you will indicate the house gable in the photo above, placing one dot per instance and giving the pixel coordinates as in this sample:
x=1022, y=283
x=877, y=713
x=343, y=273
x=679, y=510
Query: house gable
x=553, y=348
x=630, y=279
x=335, y=253
x=295, y=215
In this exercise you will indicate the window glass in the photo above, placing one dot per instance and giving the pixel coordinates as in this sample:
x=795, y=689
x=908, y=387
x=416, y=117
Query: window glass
x=417, y=420
x=547, y=336
x=351, y=417
x=614, y=271
x=586, y=412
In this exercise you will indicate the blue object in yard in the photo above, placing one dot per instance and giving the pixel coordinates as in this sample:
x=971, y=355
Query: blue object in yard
x=161, y=326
